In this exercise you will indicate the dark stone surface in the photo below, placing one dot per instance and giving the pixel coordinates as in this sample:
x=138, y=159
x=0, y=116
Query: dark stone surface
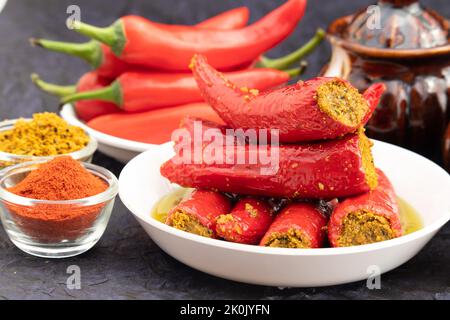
x=126, y=264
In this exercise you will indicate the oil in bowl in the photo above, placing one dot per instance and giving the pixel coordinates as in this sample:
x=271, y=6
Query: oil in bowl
x=169, y=201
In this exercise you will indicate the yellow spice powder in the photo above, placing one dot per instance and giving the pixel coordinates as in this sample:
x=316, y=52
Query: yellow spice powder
x=45, y=135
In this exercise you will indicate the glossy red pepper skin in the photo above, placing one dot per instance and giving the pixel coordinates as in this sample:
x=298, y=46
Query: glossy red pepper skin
x=293, y=110
x=247, y=222
x=235, y=18
x=382, y=201
x=87, y=110
x=111, y=66
x=154, y=126
x=203, y=205
x=150, y=45
x=303, y=217
x=146, y=91
x=316, y=170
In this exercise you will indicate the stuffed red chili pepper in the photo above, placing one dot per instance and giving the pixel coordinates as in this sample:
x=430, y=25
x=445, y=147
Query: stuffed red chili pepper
x=155, y=126
x=246, y=223
x=139, y=41
x=100, y=56
x=367, y=218
x=198, y=213
x=321, y=108
x=299, y=225
x=139, y=91
x=329, y=169
x=86, y=109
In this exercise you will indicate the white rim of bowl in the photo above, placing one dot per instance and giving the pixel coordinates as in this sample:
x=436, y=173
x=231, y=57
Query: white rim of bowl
x=67, y=113
x=147, y=218
x=86, y=151
x=102, y=173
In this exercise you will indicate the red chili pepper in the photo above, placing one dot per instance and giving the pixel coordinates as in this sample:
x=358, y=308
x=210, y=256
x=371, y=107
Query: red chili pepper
x=138, y=91
x=316, y=170
x=321, y=108
x=231, y=19
x=87, y=109
x=247, y=222
x=100, y=56
x=139, y=41
x=367, y=218
x=154, y=126
x=198, y=213
x=299, y=225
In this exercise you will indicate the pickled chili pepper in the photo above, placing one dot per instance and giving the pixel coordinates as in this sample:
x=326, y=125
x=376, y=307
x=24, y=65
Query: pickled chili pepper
x=86, y=109
x=367, y=218
x=247, y=222
x=328, y=169
x=155, y=126
x=299, y=225
x=198, y=213
x=320, y=108
x=142, y=42
x=139, y=91
x=107, y=65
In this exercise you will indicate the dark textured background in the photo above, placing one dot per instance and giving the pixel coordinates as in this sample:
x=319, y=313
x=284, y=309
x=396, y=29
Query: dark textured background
x=126, y=264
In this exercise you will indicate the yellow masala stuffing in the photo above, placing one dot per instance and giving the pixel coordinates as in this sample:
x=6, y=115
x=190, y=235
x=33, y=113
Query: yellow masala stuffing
x=363, y=227
x=45, y=135
x=293, y=238
x=342, y=102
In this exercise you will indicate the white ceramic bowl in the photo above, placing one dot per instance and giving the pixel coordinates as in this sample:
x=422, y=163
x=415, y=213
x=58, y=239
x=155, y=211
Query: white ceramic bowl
x=122, y=150
x=419, y=181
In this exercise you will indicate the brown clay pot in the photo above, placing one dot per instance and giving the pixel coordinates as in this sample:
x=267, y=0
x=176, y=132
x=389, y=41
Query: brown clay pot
x=415, y=109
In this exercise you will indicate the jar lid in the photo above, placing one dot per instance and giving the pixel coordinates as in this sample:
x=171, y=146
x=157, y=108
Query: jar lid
x=397, y=24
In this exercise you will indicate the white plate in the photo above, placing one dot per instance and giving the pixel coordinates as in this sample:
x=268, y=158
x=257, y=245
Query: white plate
x=122, y=150
x=419, y=181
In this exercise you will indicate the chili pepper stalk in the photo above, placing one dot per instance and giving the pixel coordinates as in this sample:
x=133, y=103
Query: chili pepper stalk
x=286, y=61
x=87, y=109
x=53, y=89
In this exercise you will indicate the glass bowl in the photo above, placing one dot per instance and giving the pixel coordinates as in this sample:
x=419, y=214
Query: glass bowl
x=9, y=159
x=54, y=229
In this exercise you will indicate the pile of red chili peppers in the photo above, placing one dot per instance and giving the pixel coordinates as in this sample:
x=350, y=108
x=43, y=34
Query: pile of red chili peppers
x=141, y=86
x=322, y=157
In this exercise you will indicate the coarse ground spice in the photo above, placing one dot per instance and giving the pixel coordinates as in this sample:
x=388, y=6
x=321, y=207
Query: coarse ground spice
x=62, y=178
x=45, y=135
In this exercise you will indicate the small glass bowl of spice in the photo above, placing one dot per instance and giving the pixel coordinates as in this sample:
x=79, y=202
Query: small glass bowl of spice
x=44, y=136
x=57, y=208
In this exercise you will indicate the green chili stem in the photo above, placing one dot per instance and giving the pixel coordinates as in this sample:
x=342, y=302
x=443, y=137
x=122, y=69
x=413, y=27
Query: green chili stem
x=112, y=93
x=297, y=55
x=113, y=36
x=51, y=88
x=90, y=51
x=295, y=72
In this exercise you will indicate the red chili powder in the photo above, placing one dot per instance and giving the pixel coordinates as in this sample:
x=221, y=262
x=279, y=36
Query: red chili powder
x=62, y=178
